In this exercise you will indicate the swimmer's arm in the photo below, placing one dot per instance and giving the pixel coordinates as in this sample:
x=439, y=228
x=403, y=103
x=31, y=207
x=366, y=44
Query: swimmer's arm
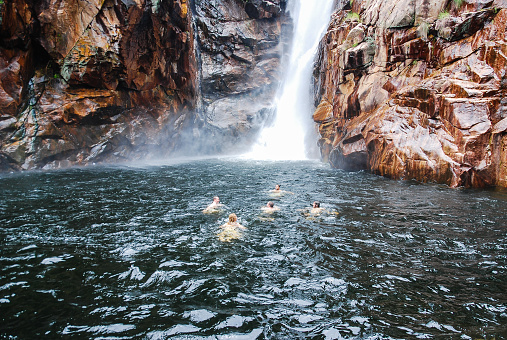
x=330, y=212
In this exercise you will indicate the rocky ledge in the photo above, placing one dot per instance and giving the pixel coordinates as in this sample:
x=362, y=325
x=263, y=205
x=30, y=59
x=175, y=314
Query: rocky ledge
x=416, y=90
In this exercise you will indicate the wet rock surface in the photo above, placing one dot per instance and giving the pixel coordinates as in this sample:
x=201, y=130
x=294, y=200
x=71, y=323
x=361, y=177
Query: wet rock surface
x=416, y=91
x=110, y=80
x=241, y=50
x=96, y=81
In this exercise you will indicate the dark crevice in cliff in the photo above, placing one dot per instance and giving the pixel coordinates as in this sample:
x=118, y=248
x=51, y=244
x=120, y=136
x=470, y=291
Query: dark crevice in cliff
x=44, y=60
x=462, y=57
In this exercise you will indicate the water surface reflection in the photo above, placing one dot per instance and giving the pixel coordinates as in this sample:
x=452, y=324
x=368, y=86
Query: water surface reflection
x=126, y=252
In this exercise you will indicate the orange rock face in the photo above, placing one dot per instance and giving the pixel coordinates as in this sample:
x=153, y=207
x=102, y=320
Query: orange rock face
x=416, y=93
x=91, y=81
x=109, y=80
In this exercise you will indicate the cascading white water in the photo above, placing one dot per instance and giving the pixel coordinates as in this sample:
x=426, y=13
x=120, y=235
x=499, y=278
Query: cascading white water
x=285, y=139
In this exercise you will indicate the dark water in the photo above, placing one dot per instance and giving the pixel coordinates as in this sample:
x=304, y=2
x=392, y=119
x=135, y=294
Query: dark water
x=120, y=253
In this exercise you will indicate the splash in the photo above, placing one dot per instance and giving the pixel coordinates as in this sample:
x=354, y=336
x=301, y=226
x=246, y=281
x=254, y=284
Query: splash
x=285, y=138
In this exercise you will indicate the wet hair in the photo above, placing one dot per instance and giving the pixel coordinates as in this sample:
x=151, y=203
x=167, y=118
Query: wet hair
x=271, y=204
x=316, y=204
x=233, y=218
x=216, y=198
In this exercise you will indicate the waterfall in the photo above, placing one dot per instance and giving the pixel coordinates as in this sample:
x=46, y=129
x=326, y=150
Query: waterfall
x=285, y=138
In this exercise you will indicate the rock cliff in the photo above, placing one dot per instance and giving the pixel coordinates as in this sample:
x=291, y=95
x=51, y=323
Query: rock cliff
x=114, y=80
x=416, y=90
x=241, y=45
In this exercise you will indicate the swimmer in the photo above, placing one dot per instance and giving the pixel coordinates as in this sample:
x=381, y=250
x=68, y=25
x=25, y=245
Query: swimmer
x=316, y=209
x=270, y=207
x=233, y=222
x=230, y=230
x=279, y=192
x=215, y=206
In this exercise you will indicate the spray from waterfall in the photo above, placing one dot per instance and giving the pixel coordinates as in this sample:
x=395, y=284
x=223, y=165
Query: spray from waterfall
x=285, y=138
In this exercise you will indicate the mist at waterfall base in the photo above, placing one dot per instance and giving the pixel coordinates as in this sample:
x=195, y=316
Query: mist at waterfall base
x=126, y=252
x=292, y=135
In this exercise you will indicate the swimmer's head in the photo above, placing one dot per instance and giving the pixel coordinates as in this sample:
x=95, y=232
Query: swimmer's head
x=216, y=199
x=233, y=218
x=316, y=204
x=271, y=204
x=277, y=187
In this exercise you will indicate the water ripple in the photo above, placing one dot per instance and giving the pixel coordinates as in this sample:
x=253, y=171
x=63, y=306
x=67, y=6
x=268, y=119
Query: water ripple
x=127, y=253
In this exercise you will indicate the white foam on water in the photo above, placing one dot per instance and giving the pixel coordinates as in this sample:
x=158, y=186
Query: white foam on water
x=234, y=321
x=48, y=291
x=332, y=334
x=30, y=247
x=267, y=259
x=172, y=264
x=359, y=319
x=301, y=329
x=108, y=311
x=175, y=330
x=306, y=318
x=334, y=281
x=254, y=334
x=199, y=315
x=193, y=285
x=56, y=259
x=12, y=284
x=355, y=330
x=162, y=277
x=215, y=264
x=143, y=312
x=263, y=299
x=70, y=329
x=107, y=329
x=299, y=302
x=126, y=251
x=134, y=273
x=399, y=278
x=294, y=281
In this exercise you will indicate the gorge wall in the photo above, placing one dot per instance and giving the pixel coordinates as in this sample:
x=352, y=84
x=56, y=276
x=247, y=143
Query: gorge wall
x=113, y=80
x=411, y=89
x=241, y=47
x=416, y=89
